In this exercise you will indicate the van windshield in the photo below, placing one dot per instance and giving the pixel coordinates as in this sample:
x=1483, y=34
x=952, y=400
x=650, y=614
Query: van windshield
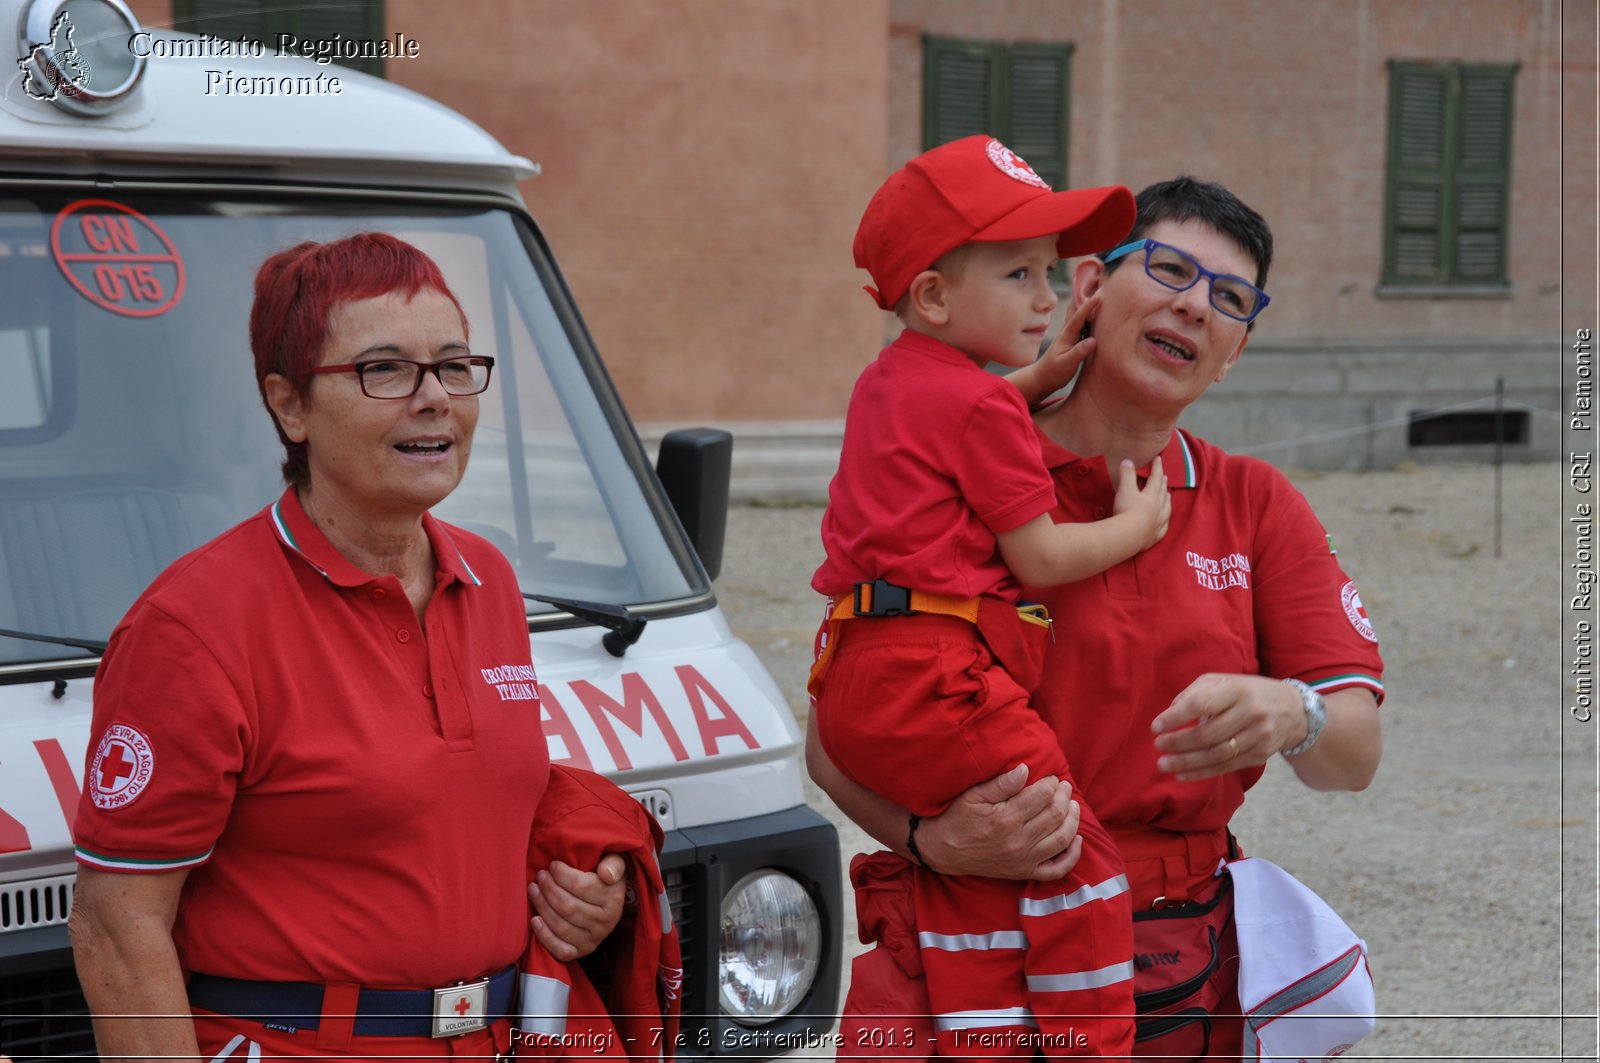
x=131, y=429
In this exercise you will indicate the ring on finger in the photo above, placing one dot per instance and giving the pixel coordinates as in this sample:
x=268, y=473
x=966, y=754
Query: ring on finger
x=1233, y=744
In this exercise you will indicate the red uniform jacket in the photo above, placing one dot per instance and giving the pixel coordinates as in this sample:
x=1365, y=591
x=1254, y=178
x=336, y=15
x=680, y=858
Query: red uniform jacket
x=625, y=998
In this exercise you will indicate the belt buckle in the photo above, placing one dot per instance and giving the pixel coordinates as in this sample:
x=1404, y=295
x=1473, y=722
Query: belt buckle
x=461, y=1008
x=887, y=599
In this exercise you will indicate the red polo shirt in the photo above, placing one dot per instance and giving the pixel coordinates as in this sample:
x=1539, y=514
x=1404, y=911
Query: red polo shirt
x=939, y=457
x=352, y=789
x=1244, y=582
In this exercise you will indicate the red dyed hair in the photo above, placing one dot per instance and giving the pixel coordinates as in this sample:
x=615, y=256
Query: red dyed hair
x=296, y=291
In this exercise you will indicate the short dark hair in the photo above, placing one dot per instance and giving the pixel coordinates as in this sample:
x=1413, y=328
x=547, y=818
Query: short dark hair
x=1186, y=198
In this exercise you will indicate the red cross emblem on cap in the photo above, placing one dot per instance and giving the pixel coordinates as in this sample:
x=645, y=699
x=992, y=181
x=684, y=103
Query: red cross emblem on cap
x=1013, y=165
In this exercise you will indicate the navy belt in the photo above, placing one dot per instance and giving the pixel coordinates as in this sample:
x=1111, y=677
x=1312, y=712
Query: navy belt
x=298, y=1005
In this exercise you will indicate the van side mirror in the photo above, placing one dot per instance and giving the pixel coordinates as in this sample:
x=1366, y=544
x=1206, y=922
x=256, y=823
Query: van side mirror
x=695, y=466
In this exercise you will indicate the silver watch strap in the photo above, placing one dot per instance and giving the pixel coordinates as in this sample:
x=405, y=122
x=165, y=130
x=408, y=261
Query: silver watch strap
x=1316, y=717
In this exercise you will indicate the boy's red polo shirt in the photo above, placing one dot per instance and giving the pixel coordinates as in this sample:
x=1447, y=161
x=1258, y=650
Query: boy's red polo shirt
x=939, y=458
x=351, y=791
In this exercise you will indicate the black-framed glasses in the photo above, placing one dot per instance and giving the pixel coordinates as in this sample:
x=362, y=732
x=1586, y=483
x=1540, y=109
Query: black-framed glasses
x=1168, y=266
x=401, y=378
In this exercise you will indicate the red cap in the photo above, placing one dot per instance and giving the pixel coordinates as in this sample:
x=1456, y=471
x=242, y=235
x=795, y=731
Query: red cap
x=971, y=189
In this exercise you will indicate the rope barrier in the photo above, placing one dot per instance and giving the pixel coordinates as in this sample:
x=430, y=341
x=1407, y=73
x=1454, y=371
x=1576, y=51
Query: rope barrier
x=1495, y=402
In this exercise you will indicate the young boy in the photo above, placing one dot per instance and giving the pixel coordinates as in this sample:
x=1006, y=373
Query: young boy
x=939, y=512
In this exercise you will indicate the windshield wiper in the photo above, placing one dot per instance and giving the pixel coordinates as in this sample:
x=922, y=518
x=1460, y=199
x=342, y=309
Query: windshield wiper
x=622, y=627
x=59, y=640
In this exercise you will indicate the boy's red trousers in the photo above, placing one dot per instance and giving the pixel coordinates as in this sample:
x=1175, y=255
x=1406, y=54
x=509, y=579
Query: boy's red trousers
x=917, y=709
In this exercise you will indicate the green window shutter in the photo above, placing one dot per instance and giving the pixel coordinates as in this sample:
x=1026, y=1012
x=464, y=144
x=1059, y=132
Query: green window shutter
x=1449, y=179
x=1016, y=92
x=1036, y=105
x=360, y=20
x=1483, y=166
x=960, y=96
x=307, y=20
x=1418, y=101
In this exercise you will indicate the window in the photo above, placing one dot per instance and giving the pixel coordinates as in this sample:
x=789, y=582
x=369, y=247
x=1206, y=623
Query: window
x=306, y=20
x=127, y=441
x=1467, y=429
x=1447, y=213
x=1016, y=92
x=25, y=362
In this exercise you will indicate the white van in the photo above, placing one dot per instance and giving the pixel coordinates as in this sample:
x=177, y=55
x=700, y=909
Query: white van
x=139, y=190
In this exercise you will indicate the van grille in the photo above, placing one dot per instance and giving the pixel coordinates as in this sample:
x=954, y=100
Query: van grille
x=681, y=895
x=686, y=893
x=43, y=1016
x=42, y=902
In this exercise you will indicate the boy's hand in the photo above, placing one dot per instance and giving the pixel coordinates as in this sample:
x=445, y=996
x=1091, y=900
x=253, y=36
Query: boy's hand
x=1070, y=349
x=1061, y=361
x=1151, y=504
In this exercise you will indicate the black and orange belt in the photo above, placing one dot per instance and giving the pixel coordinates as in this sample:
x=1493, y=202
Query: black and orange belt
x=880, y=598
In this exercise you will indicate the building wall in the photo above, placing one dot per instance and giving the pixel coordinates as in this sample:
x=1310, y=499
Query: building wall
x=1575, y=155
x=704, y=163
x=703, y=167
x=1287, y=104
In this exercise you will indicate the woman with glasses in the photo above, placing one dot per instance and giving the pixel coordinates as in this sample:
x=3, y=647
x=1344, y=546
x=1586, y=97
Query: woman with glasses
x=308, y=804
x=1178, y=674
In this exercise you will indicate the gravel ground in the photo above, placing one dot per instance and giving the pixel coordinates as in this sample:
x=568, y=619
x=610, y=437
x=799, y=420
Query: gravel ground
x=1469, y=865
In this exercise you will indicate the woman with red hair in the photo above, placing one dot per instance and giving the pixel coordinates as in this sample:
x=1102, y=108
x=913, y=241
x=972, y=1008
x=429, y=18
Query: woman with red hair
x=307, y=807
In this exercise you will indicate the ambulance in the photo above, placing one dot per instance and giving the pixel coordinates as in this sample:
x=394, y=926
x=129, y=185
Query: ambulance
x=144, y=175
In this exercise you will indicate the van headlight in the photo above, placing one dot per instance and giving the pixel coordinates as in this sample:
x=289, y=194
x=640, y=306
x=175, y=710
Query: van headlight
x=771, y=944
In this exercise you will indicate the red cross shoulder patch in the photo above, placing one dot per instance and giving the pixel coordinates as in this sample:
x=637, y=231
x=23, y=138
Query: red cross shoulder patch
x=123, y=765
x=1357, y=612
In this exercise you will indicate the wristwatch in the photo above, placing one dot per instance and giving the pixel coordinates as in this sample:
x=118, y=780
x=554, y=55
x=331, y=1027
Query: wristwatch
x=1316, y=717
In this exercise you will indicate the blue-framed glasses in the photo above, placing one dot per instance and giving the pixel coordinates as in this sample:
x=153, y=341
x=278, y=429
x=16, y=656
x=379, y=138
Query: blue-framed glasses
x=1232, y=296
